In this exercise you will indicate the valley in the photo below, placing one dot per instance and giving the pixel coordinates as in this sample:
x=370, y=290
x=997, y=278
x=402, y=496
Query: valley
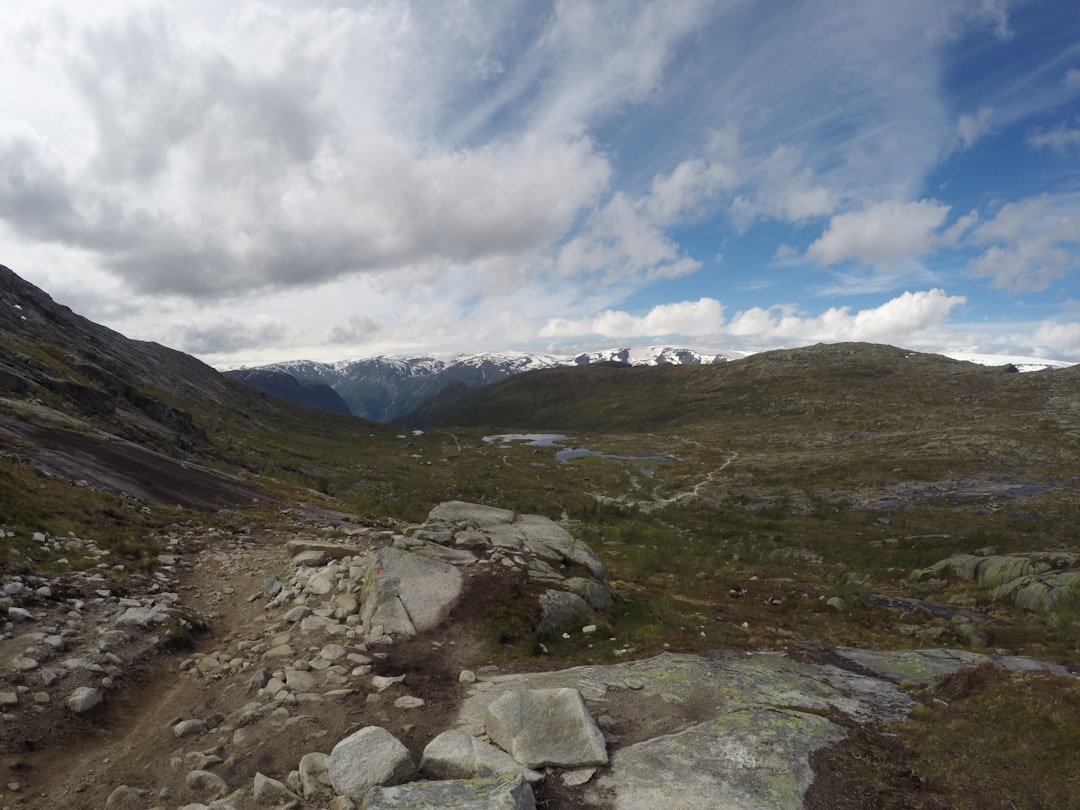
x=848, y=524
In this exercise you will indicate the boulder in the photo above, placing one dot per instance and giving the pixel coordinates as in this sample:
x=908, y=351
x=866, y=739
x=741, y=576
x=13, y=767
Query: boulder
x=541, y=727
x=559, y=608
x=457, y=755
x=406, y=594
x=369, y=757
x=492, y=793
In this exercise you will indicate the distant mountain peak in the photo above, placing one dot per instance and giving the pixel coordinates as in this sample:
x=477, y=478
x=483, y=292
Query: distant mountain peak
x=386, y=387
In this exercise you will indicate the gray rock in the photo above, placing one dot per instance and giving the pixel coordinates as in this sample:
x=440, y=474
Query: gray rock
x=542, y=727
x=125, y=797
x=597, y=594
x=837, y=604
x=311, y=558
x=457, y=755
x=406, y=594
x=84, y=698
x=18, y=614
x=271, y=793
x=186, y=728
x=369, y=757
x=492, y=793
x=547, y=539
x=1041, y=593
x=330, y=550
x=8, y=699
x=315, y=775
x=141, y=617
x=206, y=783
x=756, y=758
x=470, y=514
x=559, y=608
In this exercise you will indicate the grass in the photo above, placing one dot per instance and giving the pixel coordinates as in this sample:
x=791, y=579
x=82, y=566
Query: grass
x=1027, y=753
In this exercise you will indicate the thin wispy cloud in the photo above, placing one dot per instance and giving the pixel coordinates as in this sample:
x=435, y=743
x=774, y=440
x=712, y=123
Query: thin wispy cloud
x=258, y=180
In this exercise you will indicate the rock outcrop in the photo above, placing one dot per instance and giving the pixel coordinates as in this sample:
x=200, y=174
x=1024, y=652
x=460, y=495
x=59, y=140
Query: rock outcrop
x=1040, y=581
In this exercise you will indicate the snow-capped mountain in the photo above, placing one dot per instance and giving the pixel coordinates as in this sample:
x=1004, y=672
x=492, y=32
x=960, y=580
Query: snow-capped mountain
x=384, y=387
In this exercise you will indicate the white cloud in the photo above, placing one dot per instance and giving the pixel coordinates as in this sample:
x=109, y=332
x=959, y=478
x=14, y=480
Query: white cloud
x=703, y=316
x=1032, y=243
x=970, y=127
x=880, y=233
x=1072, y=78
x=1062, y=339
x=1060, y=138
x=897, y=320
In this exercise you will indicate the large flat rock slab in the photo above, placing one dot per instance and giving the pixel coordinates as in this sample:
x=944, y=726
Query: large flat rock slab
x=732, y=730
x=747, y=759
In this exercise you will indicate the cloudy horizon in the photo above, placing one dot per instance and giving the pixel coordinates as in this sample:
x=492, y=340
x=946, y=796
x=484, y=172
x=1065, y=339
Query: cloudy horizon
x=261, y=181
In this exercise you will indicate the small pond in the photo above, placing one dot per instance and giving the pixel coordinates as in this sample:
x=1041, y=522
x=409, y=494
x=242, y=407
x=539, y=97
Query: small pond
x=567, y=454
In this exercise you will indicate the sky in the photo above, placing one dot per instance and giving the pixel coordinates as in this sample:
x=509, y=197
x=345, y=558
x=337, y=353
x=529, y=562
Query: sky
x=252, y=182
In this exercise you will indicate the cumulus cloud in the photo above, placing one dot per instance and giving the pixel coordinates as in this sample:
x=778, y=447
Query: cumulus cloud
x=1029, y=244
x=703, y=316
x=880, y=233
x=896, y=320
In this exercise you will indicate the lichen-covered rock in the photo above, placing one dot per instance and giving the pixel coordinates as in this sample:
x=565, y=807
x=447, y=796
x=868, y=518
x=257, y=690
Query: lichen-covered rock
x=756, y=758
x=1041, y=593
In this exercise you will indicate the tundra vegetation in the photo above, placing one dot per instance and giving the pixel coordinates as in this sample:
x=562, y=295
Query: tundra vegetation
x=784, y=501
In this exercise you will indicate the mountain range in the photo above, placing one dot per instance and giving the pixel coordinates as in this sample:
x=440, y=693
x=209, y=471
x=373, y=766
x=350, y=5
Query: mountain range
x=386, y=388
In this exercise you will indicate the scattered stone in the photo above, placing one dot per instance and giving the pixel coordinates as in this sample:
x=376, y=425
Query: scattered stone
x=125, y=797
x=315, y=775
x=141, y=617
x=384, y=682
x=309, y=559
x=577, y=777
x=186, y=728
x=837, y=604
x=408, y=702
x=207, y=782
x=84, y=699
x=272, y=793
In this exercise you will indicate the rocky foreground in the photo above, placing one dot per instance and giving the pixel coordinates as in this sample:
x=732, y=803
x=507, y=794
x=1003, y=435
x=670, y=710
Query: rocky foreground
x=343, y=669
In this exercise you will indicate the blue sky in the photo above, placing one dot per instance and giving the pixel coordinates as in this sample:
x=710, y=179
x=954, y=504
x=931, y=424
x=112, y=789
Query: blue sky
x=253, y=182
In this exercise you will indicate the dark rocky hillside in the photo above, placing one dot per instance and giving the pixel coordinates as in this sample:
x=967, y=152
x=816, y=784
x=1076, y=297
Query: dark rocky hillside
x=309, y=393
